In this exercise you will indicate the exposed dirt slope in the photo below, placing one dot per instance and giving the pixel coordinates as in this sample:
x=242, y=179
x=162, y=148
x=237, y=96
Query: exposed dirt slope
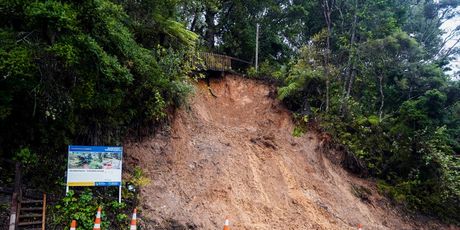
x=234, y=155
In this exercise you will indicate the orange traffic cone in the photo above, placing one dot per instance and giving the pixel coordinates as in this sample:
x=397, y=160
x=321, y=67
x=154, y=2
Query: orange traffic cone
x=73, y=225
x=227, y=224
x=360, y=227
x=133, y=225
x=97, y=221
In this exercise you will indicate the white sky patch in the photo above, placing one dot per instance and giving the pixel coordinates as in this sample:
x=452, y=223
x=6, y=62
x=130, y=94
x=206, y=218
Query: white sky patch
x=448, y=27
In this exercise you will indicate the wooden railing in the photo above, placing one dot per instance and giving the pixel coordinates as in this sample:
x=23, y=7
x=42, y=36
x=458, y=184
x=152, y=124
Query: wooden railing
x=25, y=212
x=219, y=62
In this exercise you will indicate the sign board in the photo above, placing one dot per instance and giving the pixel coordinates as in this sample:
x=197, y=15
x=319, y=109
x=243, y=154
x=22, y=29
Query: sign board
x=94, y=165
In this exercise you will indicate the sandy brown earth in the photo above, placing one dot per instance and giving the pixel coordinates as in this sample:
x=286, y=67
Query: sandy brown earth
x=233, y=154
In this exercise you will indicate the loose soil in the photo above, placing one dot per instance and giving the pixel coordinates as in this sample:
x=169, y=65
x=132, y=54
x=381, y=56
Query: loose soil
x=231, y=152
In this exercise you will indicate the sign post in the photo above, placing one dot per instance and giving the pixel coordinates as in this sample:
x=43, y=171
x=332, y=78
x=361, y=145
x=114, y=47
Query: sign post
x=94, y=166
x=257, y=47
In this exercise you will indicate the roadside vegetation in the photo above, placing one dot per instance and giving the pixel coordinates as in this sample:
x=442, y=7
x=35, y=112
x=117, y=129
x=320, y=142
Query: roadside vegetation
x=372, y=74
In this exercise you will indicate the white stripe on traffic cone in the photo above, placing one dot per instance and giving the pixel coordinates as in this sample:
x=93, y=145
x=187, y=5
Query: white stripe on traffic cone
x=133, y=225
x=226, y=224
x=97, y=221
x=73, y=225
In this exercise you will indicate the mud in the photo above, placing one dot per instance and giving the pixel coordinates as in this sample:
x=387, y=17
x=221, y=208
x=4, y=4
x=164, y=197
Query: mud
x=233, y=154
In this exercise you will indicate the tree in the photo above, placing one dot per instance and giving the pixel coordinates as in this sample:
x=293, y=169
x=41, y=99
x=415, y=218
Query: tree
x=393, y=109
x=229, y=26
x=74, y=73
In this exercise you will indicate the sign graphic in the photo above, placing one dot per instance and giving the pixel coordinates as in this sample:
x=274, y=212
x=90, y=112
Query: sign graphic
x=94, y=166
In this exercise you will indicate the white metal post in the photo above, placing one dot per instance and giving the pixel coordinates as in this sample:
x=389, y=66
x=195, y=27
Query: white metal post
x=119, y=194
x=257, y=47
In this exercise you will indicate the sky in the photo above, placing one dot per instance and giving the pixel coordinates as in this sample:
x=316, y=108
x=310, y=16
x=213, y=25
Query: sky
x=448, y=26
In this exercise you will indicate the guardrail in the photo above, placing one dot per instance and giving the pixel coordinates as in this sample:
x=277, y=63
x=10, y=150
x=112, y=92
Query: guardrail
x=219, y=62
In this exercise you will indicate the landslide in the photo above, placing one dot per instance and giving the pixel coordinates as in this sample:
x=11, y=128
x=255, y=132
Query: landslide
x=231, y=152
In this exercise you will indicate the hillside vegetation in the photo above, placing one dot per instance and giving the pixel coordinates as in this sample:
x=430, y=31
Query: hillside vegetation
x=371, y=75
x=232, y=153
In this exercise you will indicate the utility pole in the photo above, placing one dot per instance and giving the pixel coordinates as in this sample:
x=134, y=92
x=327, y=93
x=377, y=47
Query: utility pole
x=257, y=47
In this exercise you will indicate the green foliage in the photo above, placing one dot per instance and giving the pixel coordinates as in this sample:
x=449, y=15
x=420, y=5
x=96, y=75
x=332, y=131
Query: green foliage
x=83, y=207
x=409, y=152
x=57, y=15
x=16, y=62
x=138, y=179
x=87, y=72
x=297, y=132
x=74, y=73
x=175, y=29
x=83, y=73
x=175, y=64
x=390, y=104
x=154, y=22
x=269, y=71
x=305, y=77
x=444, y=168
x=26, y=157
x=229, y=27
x=301, y=125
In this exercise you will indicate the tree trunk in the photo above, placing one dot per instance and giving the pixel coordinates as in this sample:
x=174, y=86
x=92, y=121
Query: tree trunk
x=327, y=11
x=195, y=17
x=349, y=76
x=351, y=62
x=382, y=98
x=211, y=27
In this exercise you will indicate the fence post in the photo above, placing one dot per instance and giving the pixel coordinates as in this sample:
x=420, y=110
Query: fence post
x=14, y=198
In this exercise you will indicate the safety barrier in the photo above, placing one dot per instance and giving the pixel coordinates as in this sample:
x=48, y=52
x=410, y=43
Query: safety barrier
x=219, y=62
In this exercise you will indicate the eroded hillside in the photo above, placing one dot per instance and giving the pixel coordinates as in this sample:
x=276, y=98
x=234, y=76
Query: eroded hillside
x=233, y=154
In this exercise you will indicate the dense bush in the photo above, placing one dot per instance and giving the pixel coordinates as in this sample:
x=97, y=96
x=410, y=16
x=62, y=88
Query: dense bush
x=372, y=72
x=73, y=73
x=396, y=114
